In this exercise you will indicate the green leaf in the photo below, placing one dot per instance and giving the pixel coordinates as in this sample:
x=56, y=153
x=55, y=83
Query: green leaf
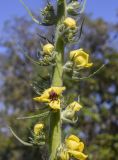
x=41, y=115
x=91, y=75
x=19, y=139
x=29, y=12
x=32, y=60
x=83, y=6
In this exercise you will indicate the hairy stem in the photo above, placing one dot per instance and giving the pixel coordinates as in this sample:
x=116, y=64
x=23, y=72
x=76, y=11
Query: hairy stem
x=55, y=122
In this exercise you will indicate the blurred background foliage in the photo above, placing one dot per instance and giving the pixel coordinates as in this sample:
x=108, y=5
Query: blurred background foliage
x=98, y=120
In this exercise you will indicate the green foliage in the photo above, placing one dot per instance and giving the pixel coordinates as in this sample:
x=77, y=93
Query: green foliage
x=104, y=146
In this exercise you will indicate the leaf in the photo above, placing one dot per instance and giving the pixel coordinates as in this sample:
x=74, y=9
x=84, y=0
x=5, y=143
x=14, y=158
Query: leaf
x=83, y=6
x=95, y=72
x=41, y=115
x=40, y=84
x=19, y=139
x=29, y=12
x=31, y=59
x=81, y=28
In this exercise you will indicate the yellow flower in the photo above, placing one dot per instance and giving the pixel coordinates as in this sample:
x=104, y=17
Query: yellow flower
x=70, y=22
x=80, y=58
x=75, y=147
x=37, y=128
x=74, y=106
x=77, y=155
x=51, y=96
x=48, y=49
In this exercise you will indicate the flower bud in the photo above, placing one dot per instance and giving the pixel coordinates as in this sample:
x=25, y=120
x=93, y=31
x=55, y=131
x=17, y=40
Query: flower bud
x=48, y=49
x=80, y=58
x=38, y=128
x=48, y=15
x=69, y=114
x=70, y=23
x=74, y=106
x=72, y=8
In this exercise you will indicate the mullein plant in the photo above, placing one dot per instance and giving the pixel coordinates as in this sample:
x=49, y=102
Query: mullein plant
x=67, y=32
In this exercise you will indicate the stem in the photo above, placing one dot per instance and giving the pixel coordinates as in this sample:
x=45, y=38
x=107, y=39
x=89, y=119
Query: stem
x=55, y=121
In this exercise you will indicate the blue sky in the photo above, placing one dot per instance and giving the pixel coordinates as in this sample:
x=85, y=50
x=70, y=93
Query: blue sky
x=99, y=8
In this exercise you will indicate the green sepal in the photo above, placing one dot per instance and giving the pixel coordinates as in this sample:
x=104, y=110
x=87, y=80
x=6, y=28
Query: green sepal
x=45, y=61
x=69, y=116
x=72, y=8
x=37, y=140
x=68, y=66
x=49, y=17
x=70, y=121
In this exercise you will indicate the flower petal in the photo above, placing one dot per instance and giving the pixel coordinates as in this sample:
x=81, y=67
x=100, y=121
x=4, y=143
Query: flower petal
x=55, y=104
x=70, y=22
x=48, y=49
x=58, y=90
x=64, y=155
x=44, y=97
x=81, y=147
x=75, y=106
x=72, y=145
x=89, y=64
x=41, y=99
x=73, y=138
x=78, y=155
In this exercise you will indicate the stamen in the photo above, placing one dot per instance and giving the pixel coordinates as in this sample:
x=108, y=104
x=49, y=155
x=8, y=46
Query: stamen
x=53, y=96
